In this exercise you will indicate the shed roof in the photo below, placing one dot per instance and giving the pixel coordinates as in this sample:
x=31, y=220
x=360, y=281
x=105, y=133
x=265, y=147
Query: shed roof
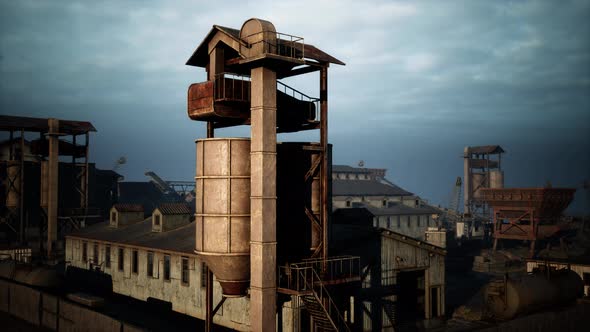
x=200, y=56
x=127, y=207
x=41, y=125
x=174, y=208
x=412, y=241
x=366, y=188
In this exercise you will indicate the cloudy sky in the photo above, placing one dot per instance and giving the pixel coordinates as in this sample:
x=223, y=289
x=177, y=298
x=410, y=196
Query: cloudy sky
x=422, y=80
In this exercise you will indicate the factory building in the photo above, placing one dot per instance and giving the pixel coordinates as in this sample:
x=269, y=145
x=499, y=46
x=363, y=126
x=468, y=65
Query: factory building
x=403, y=285
x=154, y=259
x=354, y=187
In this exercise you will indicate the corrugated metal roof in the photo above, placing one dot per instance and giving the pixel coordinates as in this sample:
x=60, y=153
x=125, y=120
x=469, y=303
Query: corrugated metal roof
x=127, y=207
x=181, y=239
x=366, y=188
x=174, y=208
x=485, y=149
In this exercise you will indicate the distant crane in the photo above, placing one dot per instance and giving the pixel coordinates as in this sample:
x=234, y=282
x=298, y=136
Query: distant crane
x=456, y=196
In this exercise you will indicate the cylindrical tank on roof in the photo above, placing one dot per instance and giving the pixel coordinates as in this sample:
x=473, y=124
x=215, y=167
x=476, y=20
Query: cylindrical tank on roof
x=479, y=182
x=13, y=189
x=496, y=179
x=260, y=35
x=223, y=211
x=533, y=292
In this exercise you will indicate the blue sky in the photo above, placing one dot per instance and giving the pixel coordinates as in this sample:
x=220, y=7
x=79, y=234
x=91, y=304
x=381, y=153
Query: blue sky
x=422, y=80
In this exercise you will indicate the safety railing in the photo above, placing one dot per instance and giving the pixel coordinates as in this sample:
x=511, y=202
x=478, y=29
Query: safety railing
x=335, y=268
x=231, y=87
x=282, y=44
x=312, y=102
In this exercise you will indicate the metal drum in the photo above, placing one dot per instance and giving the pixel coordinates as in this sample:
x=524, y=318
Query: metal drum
x=223, y=211
x=496, y=179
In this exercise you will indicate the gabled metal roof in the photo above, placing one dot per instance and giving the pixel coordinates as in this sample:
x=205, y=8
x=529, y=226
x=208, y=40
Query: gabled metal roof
x=485, y=149
x=125, y=207
x=200, y=56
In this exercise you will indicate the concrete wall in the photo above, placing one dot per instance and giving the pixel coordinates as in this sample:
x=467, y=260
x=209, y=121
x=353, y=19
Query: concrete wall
x=188, y=298
x=41, y=309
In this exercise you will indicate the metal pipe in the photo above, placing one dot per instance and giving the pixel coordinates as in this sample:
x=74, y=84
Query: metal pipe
x=324, y=168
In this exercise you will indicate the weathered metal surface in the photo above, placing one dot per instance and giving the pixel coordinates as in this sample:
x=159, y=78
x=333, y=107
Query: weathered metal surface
x=508, y=298
x=545, y=202
x=223, y=211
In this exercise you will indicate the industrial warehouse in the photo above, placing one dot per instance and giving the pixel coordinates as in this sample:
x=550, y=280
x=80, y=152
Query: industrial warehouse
x=271, y=235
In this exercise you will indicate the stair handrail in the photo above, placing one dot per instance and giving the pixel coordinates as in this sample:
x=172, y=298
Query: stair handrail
x=332, y=309
x=303, y=95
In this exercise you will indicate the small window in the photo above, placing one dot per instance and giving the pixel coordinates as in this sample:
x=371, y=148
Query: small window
x=121, y=259
x=417, y=203
x=150, y=264
x=167, y=267
x=408, y=219
x=384, y=203
x=185, y=271
x=84, y=251
x=388, y=222
x=113, y=217
x=204, y=275
x=157, y=220
x=134, y=260
x=347, y=203
x=398, y=221
x=419, y=220
x=107, y=256
x=95, y=253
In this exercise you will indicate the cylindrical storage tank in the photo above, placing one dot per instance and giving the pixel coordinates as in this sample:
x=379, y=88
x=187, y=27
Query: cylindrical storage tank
x=532, y=292
x=479, y=182
x=496, y=179
x=13, y=190
x=223, y=211
x=44, y=183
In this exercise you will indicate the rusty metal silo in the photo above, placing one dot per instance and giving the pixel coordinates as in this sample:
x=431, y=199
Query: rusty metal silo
x=223, y=211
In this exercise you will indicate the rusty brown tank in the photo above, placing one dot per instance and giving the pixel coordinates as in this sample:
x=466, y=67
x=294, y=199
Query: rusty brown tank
x=223, y=211
x=509, y=298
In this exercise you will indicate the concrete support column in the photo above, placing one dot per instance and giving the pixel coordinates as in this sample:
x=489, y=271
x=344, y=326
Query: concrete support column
x=263, y=200
x=52, y=184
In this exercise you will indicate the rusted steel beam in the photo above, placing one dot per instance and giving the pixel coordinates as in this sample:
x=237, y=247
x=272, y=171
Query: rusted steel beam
x=324, y=157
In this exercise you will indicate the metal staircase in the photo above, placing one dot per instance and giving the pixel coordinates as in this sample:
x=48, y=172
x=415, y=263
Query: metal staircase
x=304, y=281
